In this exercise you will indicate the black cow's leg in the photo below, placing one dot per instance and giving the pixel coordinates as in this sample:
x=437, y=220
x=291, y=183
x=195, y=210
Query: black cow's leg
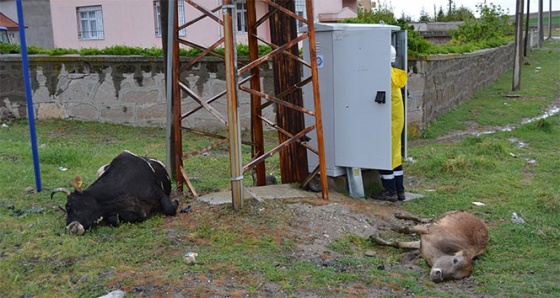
x=113, y=220
x=131, y=216
x=169, y=208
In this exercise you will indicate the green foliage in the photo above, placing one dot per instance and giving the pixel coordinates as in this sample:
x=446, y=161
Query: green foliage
x=460, y=14
x=243, y=50
x=492, y=25
x=383, y=13
x=490, y=30
x=122, y=50
x=240, y=251
x=9, y=48
x=417, y=45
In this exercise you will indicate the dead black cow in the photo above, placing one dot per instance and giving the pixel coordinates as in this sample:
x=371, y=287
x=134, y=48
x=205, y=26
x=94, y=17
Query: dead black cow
x=130, y=189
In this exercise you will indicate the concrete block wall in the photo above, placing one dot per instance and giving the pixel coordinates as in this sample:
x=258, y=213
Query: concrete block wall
x=126, y=90
x=130, y=90
x=438, y=83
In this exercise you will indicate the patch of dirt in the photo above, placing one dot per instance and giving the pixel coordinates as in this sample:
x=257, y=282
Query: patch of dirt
x=313, y=225
x=320, y=225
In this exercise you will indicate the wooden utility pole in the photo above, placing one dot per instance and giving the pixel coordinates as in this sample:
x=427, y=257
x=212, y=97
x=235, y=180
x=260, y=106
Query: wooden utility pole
x=540, y=20
x=516, y=84
x=549, y=20
x=287, y=73
x=527, y=27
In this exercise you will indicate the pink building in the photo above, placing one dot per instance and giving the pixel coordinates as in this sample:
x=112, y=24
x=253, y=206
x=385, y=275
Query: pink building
x=101, y=23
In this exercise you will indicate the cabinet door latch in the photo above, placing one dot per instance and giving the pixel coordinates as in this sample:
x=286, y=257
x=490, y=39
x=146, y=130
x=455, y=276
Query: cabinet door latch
x=380, y=97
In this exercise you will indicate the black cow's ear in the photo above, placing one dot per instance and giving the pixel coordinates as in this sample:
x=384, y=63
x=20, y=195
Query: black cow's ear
x=77, y=182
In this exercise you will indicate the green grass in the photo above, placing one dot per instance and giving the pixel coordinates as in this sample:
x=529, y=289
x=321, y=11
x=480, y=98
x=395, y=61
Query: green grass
x=498, y=105
x=520, y=258
x=243, y=251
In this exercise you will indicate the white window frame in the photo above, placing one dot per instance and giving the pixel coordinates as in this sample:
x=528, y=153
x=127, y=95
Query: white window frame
x=90, y=22
x=300, y=11
x=241, y=14
x=180, y=14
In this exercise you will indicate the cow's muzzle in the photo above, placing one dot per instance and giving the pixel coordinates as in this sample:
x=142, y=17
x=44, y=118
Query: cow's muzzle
x=75, y=228
x=436, y=275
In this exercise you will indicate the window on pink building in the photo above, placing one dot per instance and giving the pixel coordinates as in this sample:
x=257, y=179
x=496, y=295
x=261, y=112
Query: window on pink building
x=241, y=17
x=300, y=11
x=90, y=22
x=180, y=14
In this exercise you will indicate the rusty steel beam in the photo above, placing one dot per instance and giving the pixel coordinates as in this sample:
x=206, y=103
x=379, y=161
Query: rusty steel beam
x=188, y=182
x=317, y=100
x=206, y=12
x=205, y=149
x=203, y=103
x=272, y=54
x=257, y=135
x=289, y=135
x=212, y=135
x=290, y=13
x=205, y=52
x=278, y=101
x=211, y=100
x=195, y=20
x=280, y=147
x=176, y=106
x=287, y=73
x=234, y=132
x=287, y=96
x=296, y=57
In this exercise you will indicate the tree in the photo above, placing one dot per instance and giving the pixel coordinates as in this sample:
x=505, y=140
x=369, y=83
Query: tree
x=440, y=16
x=450, y=7
x=462, y=14
x=424, y=16
x=491, y=26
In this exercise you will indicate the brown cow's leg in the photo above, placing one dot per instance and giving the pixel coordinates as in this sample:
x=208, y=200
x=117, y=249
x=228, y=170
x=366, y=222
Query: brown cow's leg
x=397, y=244
x=408, y=216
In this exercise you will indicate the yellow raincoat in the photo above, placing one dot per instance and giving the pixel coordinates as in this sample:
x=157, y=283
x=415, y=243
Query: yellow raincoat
x=398, y=81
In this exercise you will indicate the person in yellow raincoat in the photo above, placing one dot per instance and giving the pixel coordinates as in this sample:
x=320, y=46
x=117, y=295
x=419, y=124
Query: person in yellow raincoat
x=393, y=180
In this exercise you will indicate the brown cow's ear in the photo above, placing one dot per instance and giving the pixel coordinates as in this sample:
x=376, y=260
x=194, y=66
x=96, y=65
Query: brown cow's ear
x=77, y=182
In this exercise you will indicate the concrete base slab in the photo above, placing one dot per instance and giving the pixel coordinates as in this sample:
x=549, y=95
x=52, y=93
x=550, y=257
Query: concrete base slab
x=411, y=196
x=279, y=191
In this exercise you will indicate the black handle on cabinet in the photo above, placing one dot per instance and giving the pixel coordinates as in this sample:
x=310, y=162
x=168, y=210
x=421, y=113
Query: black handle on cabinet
x=380, y=97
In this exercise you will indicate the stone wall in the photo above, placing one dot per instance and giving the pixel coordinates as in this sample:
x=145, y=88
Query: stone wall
x=126, y=90
x=438, y=83
x=130, y=89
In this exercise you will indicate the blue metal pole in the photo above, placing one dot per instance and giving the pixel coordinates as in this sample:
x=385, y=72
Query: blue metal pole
x=27, y=81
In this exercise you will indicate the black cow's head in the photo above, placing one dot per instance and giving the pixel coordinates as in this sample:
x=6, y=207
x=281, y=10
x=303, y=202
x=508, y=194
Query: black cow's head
x=82, y=212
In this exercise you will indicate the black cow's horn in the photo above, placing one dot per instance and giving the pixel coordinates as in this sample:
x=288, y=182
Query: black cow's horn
x=60, y=189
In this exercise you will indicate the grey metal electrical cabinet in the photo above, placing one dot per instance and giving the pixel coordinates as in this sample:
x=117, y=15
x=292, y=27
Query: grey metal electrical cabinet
x=354, y=70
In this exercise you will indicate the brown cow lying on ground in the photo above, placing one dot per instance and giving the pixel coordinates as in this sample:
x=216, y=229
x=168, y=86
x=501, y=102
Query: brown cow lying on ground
x=448, y=244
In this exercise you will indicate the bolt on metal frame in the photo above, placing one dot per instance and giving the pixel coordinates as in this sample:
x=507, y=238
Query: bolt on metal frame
x=234, y=71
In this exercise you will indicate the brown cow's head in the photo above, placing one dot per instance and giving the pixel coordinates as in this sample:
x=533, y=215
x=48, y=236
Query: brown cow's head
x=451, y=267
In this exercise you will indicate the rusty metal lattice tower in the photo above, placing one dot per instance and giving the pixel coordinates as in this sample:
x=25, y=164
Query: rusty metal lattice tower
x=245, y=77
